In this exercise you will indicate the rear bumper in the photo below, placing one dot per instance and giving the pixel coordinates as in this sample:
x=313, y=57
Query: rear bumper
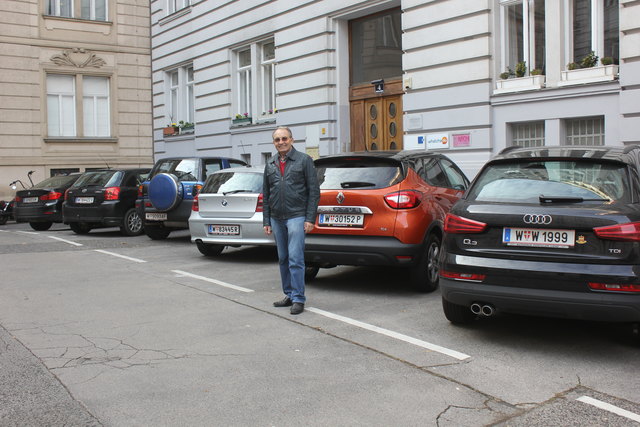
x=358, y=250
x=107, y=213
x=42, y=213
x=251, y=231
x=177, y=218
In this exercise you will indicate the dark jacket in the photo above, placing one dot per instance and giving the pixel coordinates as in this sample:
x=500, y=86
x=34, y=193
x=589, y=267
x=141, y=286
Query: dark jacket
x=295, y=194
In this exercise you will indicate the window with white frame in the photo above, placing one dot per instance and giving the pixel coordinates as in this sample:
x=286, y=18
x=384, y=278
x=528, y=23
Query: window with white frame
x=255, y=94
x=88, y=9
x=594, y=27
x=529, y=134
x=60, y=8
x=181, y=100
x=584, y=131
x=94, y=9
x=523, y=34
x=175, y=5
x=63, y=119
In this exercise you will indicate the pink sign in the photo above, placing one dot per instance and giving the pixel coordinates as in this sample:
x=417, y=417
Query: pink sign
x=461, y=140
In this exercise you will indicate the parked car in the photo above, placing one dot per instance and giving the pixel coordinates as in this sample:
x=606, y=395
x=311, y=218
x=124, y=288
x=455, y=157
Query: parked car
x=228, y=211
x=41, y=205
x=104, y=198
x=165, y=198
x=384, y=209
x=551, y=232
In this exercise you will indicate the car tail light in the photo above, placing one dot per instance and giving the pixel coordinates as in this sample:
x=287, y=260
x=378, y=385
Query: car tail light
x=614, y=287
x=112, y=193
x=626, y=232
x=456, y=225
x=196, y=189
x=405, y=199
x=260, y=204
x=467, y=277
x=51, y=195
x=140, y=194
x=17, y=199
x=195, y=206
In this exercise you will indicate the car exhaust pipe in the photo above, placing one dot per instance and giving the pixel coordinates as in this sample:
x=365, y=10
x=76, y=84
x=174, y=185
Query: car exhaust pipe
x=488, y=310
x=476, y=308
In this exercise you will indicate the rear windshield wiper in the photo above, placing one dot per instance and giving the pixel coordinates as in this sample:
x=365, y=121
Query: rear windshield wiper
x=238, y=191
x=353, y=184
x=570, y=199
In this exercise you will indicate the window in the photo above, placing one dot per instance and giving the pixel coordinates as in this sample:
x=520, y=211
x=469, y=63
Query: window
x=265, y=158
x=65, y=171
x=523, y=40
x=62, y=117
x=181, y=102
x=585, y=131
x=255, y=80
x=94, y=9
x=60, y=8
x=175, y=5
x=89, y=9
x=594, y=28
x=529, y=134
x=246, y=157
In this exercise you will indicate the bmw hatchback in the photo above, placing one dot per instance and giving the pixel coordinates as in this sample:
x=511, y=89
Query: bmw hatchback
x=551, y=232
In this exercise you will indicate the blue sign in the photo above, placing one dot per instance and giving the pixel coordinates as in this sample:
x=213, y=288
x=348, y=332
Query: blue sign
x=421, y=140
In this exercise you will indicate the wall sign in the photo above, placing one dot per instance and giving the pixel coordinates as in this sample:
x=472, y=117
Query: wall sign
x=437, y=141
x=461, y=140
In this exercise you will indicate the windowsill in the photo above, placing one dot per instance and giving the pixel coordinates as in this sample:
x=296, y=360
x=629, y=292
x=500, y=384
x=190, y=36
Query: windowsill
x=71, y=19
x=589, y=75
x=80, y=139
x=519, y=84
x=175, y=15
x=179, y=137
x=260, y=125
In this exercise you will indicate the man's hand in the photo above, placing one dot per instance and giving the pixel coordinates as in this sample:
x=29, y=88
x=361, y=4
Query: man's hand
x=308, y=226
x=267, y=230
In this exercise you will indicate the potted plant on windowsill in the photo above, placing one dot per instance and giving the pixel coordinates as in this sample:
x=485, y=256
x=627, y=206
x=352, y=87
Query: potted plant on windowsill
x=242, y=119
x=518, y=80
x=186, y=127
x=171, y=129
x=588, y=71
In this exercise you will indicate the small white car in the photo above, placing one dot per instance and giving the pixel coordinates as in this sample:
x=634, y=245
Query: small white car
x=228, y=211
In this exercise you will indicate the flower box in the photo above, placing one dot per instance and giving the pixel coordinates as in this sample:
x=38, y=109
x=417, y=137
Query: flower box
x=589, y=75
x=170, y=130
x=187, y=129
x=520, y=84
x=242, y=121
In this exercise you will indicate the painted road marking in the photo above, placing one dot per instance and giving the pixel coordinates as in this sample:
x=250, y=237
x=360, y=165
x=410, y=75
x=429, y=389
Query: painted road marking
x=217, y=282
x=65, y=241
x=609, y=407
x=392, y=334
x=27, y=232
x=120, y=256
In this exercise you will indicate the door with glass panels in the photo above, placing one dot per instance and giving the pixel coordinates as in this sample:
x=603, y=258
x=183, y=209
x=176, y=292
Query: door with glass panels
x=383, y=123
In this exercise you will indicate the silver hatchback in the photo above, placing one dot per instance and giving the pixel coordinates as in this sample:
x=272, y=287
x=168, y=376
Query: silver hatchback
x=228, y=211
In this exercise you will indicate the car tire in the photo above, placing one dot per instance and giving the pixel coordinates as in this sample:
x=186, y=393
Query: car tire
x=156, y=233
x=41, y=226
x=310, y=272
x=131, y=223
x=3, y=220
x=424, y=273
x=80, y=227
x=209, y=249
x=457, y=314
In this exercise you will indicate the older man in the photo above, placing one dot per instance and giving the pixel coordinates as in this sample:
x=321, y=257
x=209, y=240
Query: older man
x=291, y=194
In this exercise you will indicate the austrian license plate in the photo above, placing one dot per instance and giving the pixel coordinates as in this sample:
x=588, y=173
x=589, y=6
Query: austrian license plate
x=535, y=237
x=341, y=220
x=84, y=199
x=224, y=230
x=30, y=200
x=156, y=216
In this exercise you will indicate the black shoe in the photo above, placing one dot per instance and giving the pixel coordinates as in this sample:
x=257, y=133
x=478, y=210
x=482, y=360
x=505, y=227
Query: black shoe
x=286, y=302
x=297, y=308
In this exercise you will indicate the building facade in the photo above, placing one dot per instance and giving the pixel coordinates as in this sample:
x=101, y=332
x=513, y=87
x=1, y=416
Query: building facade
x=75, y=87
x=465, y=77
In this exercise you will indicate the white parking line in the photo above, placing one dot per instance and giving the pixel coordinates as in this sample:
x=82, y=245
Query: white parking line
x=217, y=282
x=608, y=407
x=396, y=335
x=120, y=256
x=27, y=232
x=66, y=241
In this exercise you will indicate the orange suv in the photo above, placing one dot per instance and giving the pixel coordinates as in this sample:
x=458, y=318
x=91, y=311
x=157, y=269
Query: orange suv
x=384, y=208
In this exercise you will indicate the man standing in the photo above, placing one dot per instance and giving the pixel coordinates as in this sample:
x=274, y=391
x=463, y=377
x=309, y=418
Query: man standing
x=291, y=195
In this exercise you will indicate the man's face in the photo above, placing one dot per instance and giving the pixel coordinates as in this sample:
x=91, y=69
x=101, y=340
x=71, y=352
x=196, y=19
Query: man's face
x=282, y=140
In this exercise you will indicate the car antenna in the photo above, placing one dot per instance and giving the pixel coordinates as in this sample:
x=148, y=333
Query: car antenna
x=105, y=162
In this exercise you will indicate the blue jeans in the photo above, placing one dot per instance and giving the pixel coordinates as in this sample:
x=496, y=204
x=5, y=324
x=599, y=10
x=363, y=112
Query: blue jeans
x=289, y=236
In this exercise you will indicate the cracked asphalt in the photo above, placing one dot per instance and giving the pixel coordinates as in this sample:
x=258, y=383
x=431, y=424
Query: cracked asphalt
x=123, y=338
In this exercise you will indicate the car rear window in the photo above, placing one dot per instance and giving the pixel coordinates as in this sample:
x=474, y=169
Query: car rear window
x=233, y=182
x=99, y=179
x=529, y=181
x=361, y=173
x=55, y=181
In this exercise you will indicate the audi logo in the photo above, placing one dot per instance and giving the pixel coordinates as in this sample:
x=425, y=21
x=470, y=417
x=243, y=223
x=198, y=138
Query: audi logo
x=537, y=219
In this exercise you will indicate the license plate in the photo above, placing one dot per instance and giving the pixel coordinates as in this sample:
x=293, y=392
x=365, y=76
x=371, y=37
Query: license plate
x=30, y=200
x=224, y=230
x=341, y=220
x=84, y=199
x=156, y=216
x=536, y=237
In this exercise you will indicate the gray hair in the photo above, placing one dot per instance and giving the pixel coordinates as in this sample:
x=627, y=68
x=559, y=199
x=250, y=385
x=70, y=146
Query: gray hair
x=282, y=127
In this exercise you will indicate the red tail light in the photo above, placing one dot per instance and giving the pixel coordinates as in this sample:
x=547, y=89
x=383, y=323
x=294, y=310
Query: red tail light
x=405, y=199
x=195, y=206
x=17, y=199
x=467, y=277
x=140, y=191
x=112, y=193
x=196, y=189
x=629, y=232
x=457, y=225
x=51, y=195
x=614, y=287
x=260, y=204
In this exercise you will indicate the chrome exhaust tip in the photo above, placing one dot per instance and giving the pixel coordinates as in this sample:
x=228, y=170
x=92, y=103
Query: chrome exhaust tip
x=476, y=308
x=488, y=310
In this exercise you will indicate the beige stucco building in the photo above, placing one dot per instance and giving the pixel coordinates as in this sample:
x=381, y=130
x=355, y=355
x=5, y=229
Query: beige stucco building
x=75, y=87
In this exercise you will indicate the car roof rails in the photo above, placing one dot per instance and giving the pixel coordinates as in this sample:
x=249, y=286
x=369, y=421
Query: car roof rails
x=509, y=149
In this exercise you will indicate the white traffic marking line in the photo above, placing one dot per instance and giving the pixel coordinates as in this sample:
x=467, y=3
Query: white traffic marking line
x=64, y=240
x=608, y=407
x=27, y=232
x=392, y=334
x=120, y=256
x=217, y=282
